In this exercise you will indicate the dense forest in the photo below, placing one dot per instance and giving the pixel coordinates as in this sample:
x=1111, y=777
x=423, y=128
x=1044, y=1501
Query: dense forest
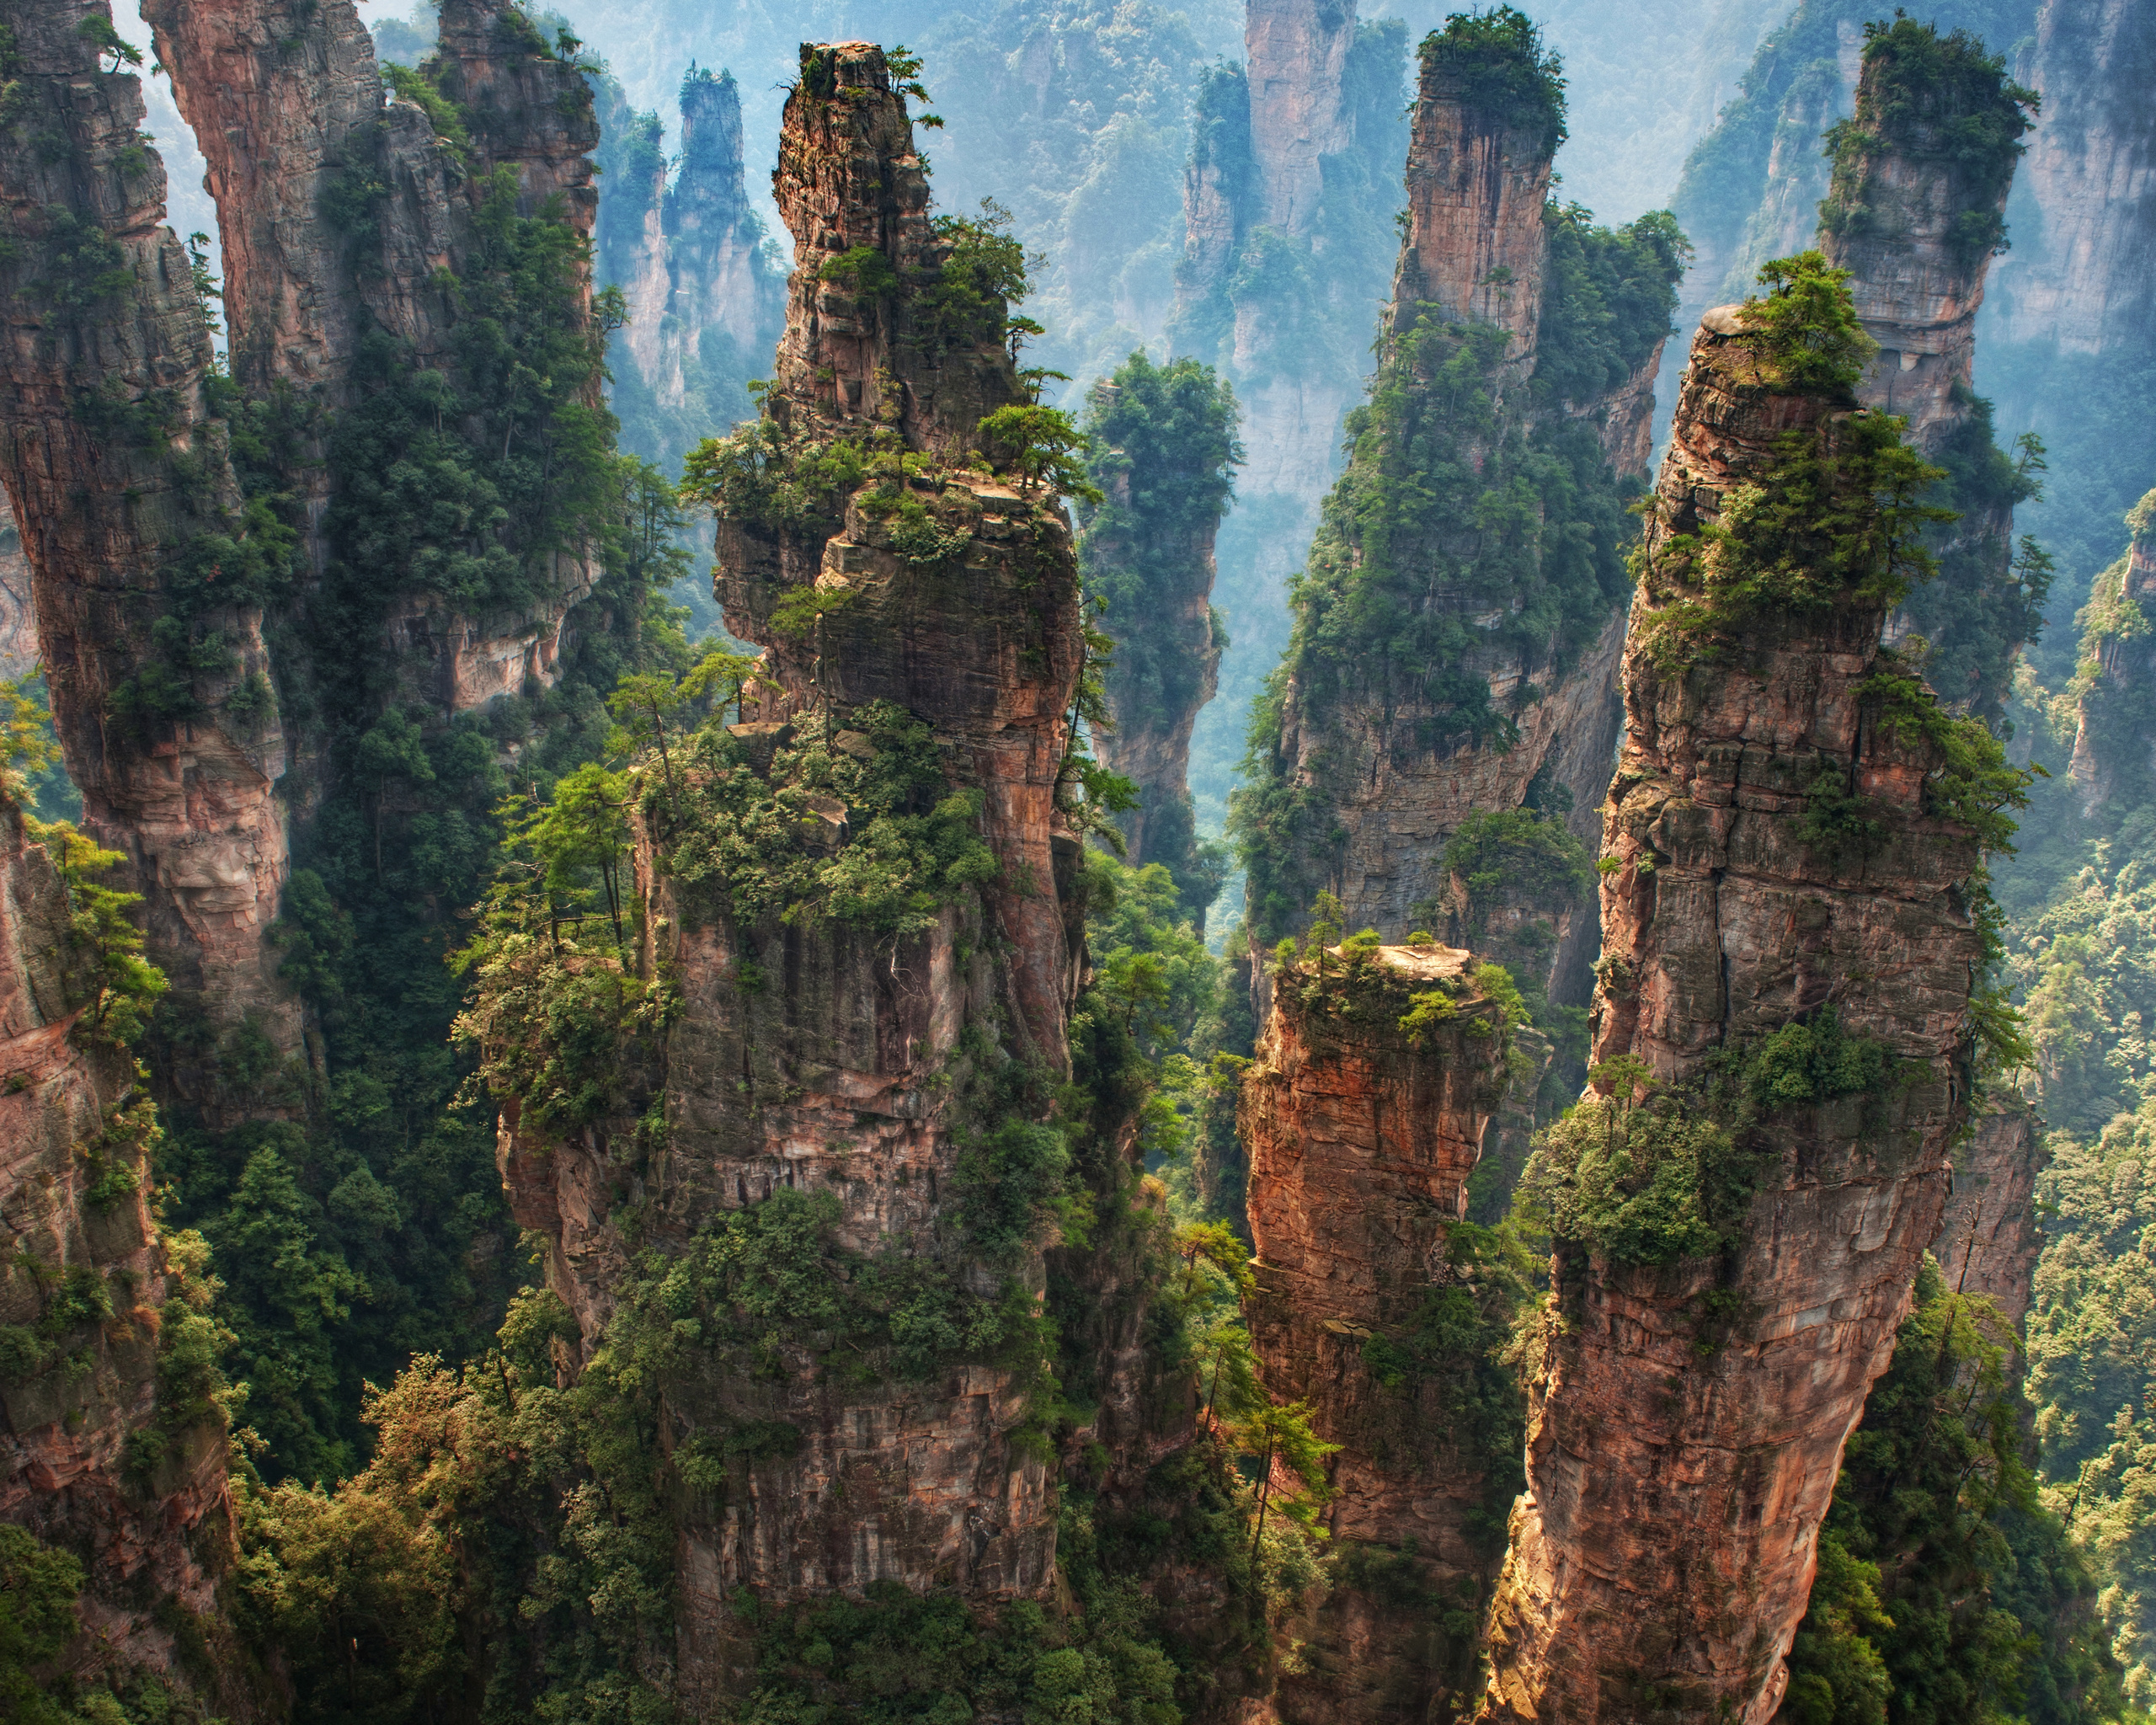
x=1046, y=861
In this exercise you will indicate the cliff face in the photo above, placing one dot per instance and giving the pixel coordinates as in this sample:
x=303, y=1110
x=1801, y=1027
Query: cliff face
x=1361, y=1134
x=289, y=100
x=1438, y=682
x=921, y=631
x=1477, y=179
x=2113, y=760
x=1687, y=1424
x=159, y=680
x=2079, y=283
x=706, y=306
x=1913, y=213
x=1988, y=1242
x=91, y=1462
x=1298, y=111
x=18, y=647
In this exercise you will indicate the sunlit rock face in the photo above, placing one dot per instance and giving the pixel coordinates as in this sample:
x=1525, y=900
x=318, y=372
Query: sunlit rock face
x=1678, y=1472
x=1361, y=1134
x=818, y=1056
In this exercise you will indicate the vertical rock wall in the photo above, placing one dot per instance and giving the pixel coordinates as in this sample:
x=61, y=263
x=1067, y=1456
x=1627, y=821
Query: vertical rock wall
x=160, y=687
x=89, y=1461
x=290, y=101
x=1361, y=1134
x=1678, y=1471
x=1385, y=750
x=818, y=1056
x=1989, y=1241
x=1299, y=112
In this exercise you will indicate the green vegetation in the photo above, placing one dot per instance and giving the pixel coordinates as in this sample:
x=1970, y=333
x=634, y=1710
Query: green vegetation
x=1644, y=1174
x=1935, y=99
x=1163, y=451
x=1836, y=519
x=1428, y=567
x=368, y=1226
x=1945, y=1590
x=1496, y=62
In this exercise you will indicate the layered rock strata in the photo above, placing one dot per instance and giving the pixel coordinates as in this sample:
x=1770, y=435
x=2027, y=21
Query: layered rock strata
x=1914, y=212
x=1678, y=1465
x=160, y=687
x=1300, y=111
x=1361, y=1134
x=817, y=1055
x=89, y=1461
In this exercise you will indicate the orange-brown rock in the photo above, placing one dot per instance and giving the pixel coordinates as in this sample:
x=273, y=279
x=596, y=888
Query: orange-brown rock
x=162, y=698
x=1477, y=179
x=1361, y=1134
x=820, y=1056
x=1677, y=1470
x=88, y=1461
x=1913, y=213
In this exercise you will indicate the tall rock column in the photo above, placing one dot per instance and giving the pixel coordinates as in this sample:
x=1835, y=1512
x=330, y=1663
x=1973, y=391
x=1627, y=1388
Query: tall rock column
x=1362, y=1120
x=2112, y=762
x=1446, y=713
x=1915, y=212
x=1789, y=941
x=1164, y=449
x=861, y=903
x=147, y=589
x=1298, y=111
x=1478, y=175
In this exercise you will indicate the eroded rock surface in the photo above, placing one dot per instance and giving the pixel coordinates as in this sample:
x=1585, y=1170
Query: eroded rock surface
x=1988, y=1241
x=1361, y=1136
x=161, y=690
x=1678, y=1471
x=821, y=1056
x=88, y=1461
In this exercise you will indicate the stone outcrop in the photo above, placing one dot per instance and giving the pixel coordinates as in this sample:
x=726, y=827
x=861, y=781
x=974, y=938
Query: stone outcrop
x=1288, y=205
x=160, y=688
x=88, y=1461
x=1678, y=1464
x=1149, y=743
x=1388, y=749
x=1477, y=179
x=1361, y=1134
x=823, y=1057
x=2079, y=283
x=19, y=648
x=1913, y=213
x=1989, y=1241
x=706, y=306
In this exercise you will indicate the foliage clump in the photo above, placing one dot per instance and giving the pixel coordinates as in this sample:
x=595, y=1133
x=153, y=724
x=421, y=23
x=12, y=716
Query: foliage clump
x=1643, y=1173
x=1938, y=100
x=1496, y=64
